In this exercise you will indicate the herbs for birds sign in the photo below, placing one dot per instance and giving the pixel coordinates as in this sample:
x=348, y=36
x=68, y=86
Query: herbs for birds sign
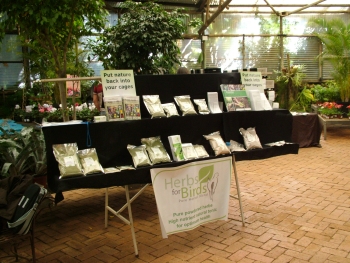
x=193, y=194
x=118, y=83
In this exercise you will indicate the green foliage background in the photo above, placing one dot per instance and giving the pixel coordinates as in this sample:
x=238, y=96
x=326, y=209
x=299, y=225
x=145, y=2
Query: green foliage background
x=143, y=40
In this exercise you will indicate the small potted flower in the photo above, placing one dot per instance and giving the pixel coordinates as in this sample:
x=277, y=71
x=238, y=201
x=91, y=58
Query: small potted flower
x=348, y=107
x=330, y=110
x=86, y=112
x=18, y=114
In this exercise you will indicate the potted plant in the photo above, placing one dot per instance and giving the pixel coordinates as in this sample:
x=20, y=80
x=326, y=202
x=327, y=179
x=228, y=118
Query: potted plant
x=304, y=100
x=288, y=84
x=18, y=114
x=335, y=36
x=85, y=112
x=330, y=110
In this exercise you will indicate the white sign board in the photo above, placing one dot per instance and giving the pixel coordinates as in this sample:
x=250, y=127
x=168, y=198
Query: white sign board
x=193, y=194
x=118, y=83
x=252, y=80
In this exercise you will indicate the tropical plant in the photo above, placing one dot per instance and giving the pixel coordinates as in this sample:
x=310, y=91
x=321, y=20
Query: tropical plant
x=22, y=152
x=54, y=26
x=328, y=91
x=289, y=81
x=335, y=36
x=304, y=100
x=143, y=40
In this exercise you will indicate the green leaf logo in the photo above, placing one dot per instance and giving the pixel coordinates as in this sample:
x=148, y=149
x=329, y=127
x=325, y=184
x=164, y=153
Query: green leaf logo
x=206, y=173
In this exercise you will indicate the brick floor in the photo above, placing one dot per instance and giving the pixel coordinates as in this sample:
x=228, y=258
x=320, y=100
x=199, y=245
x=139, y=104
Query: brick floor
x=297, y=209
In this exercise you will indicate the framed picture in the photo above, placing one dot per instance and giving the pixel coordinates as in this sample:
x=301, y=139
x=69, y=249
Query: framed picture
x=73, y=87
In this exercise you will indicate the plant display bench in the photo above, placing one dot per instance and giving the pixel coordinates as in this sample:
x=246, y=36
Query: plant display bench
x=345, y=122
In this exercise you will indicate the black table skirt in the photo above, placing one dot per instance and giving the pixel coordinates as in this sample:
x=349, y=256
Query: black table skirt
x=306, y=130
x=111, y=139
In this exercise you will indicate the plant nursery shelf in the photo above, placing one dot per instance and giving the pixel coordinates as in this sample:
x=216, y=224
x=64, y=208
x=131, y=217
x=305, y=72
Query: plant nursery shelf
x=345, y=122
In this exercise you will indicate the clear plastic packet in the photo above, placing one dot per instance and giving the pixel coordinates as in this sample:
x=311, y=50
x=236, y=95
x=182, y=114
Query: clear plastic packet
x=217, y=143
x=185, y=105
x=170, y=109
x=110, y=170
x=251, y=139
x=68, y=160
x=236, y=146
x=89, y=160
x=139, y=155
x=200, y=150
x=156, y=150
x=188, y=151
x=125, y=168
x=202, y=106
x=279, y=143
x=154, y=106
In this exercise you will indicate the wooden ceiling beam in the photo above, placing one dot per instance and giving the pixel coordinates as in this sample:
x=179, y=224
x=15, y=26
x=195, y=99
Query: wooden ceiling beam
x=304, y=7
x=273, y=9
x=209, y=20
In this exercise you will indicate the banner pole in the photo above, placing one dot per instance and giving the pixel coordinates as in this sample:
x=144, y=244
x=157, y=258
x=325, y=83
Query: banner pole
x=238, y=189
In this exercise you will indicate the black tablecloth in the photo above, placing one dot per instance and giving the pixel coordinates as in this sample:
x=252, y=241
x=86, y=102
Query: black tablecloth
x=111, y=139
x=306, y=130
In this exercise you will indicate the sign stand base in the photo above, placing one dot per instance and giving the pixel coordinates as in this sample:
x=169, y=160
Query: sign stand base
x=238, y=189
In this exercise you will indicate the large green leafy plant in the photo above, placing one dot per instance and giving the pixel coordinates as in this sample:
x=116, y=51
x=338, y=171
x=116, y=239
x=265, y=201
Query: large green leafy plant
x=22, y=152
x=335, y=36
x=143, y=40
x=327, y=91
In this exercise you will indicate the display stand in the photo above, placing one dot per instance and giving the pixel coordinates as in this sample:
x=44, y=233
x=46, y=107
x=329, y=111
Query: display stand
x=129, y=221
x=110, y=139
x=238, y=189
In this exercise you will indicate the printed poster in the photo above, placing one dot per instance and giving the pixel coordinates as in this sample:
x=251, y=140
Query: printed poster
x=193, y=194
x=118, y=83
x=252, y=80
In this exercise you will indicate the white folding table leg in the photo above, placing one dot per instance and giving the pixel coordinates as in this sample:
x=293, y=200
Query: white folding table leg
x=238, y=189
x=131, y=220
x=106, y=207
x=118, y=213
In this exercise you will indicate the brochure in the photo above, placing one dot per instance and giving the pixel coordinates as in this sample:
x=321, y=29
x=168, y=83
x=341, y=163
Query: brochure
x=114, y=108
x=132, y=108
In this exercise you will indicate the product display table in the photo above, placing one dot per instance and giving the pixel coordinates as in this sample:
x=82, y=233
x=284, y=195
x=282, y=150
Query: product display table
x=345, y=122
x=110, y=139
x=306, y=130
